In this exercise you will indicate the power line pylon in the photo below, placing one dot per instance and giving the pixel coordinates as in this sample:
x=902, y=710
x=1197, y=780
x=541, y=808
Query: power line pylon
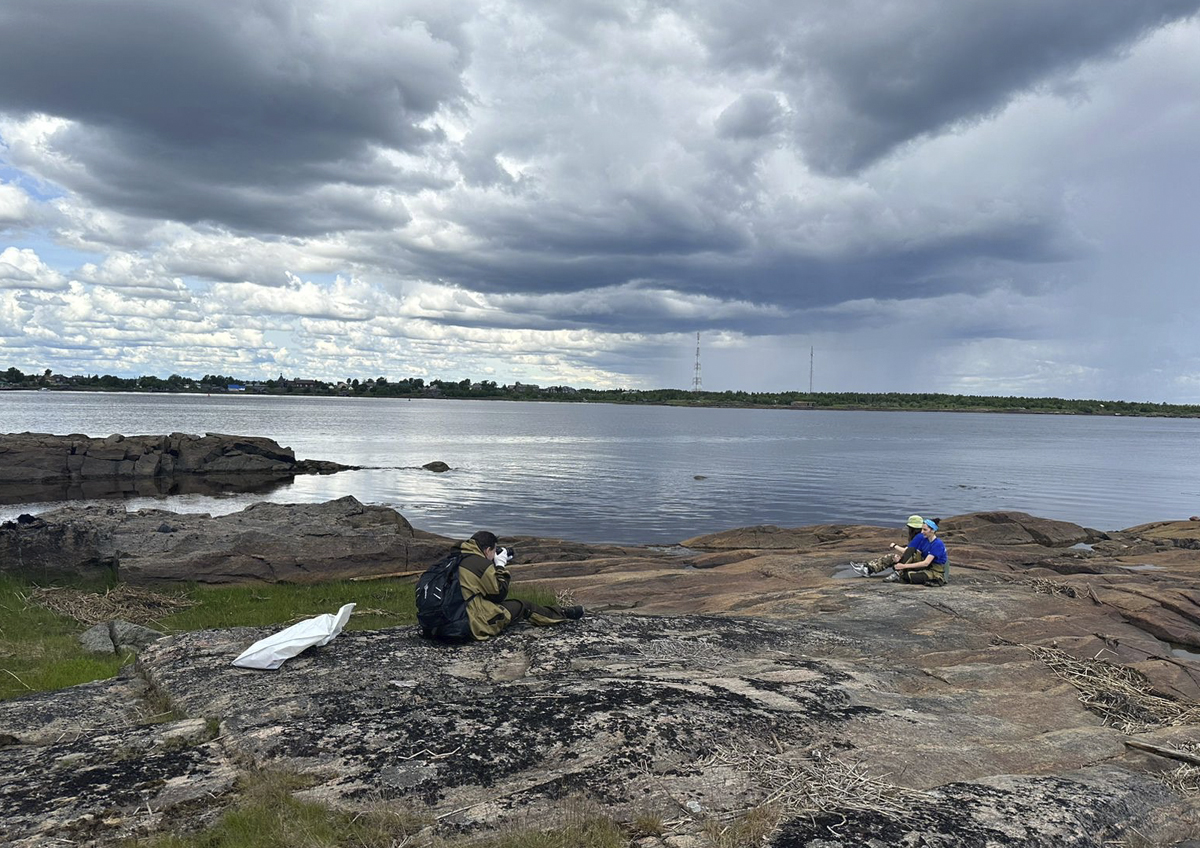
x=697, y=386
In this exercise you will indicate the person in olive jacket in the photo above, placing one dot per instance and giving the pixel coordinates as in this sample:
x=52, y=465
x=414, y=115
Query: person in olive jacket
x=485, y=589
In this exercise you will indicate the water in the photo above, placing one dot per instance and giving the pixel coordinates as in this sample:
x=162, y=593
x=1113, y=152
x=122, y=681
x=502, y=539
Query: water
x=603, y=473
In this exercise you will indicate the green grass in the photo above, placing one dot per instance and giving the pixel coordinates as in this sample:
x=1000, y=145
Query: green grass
x=267, y=815
x=39, y=650
x=381, y=603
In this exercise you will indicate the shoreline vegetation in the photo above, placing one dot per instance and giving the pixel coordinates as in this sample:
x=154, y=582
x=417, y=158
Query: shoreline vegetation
x=416, y=387
x=40, y=649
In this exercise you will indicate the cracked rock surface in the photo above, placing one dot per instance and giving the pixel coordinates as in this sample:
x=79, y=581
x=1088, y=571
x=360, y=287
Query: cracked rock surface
x=867, y=713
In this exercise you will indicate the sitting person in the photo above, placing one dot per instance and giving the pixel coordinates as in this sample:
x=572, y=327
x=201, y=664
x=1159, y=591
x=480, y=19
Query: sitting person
x=899, y=553
x=934, y=565
x=485, y=589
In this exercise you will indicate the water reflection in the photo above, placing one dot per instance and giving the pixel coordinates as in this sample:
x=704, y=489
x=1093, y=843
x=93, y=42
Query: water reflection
x=601, y=473
x=213, y=485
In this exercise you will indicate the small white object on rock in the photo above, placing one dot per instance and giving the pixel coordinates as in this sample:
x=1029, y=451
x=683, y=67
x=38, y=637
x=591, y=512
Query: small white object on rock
x=273, y=651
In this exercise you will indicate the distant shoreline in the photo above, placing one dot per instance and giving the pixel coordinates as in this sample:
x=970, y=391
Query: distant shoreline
x=911, y=403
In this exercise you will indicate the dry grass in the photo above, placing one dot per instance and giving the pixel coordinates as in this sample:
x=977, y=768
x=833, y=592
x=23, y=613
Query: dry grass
x=130, y=603
x=817, y=783
x=1053, y=587
x=1121, y=696
x=752, y=828
x=697, y=650
x=267, y=814
x=1185, y=778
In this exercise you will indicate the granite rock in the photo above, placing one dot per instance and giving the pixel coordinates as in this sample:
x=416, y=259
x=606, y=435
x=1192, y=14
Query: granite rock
x=264, y=542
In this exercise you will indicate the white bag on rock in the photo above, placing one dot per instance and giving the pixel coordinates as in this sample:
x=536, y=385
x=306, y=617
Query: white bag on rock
x=273, y=651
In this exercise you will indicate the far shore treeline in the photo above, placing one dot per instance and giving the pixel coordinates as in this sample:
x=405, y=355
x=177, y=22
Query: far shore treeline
x=417, y=387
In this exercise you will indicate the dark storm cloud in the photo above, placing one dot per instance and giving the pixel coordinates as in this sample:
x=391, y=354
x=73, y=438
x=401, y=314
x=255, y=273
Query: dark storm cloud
x=226, y=112
x=752, y=115
x=715, y=258
x=865, y=77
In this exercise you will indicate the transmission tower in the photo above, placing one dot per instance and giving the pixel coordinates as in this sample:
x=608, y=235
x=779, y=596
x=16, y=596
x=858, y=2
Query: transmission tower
x=696, y=384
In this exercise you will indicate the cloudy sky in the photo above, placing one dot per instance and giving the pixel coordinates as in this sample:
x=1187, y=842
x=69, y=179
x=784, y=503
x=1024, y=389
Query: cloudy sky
x=982, y=197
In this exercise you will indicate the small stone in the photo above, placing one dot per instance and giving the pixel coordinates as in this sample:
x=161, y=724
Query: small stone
x=97, y=640
x=437, y=466
x=127, y=635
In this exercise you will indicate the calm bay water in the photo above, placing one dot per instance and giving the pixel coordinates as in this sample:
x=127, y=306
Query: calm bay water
x=601, y=473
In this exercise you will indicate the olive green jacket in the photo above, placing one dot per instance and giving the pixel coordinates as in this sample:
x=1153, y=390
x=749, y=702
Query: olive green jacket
x=484, y=588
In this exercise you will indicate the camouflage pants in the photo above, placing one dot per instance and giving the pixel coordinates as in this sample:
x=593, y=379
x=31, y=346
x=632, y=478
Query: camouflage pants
x=535, y=614
x=927, y=576
x=884, y=562
x=921, y=576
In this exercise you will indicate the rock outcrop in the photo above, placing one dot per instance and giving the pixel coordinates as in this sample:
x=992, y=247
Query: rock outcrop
x=40, y=466
x=950, y=741
x=265, y=542
x=993, y=711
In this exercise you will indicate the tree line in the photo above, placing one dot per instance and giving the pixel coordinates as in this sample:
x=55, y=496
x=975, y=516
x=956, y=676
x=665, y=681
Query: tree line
x=410, y=387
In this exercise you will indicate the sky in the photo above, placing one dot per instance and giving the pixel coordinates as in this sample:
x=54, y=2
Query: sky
x=984, y=197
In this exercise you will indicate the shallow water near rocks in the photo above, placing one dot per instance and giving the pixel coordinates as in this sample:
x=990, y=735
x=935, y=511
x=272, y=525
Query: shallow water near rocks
x=1185, y=653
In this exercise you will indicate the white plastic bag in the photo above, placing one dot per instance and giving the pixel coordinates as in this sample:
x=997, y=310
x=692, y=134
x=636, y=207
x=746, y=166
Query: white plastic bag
x=273, y=651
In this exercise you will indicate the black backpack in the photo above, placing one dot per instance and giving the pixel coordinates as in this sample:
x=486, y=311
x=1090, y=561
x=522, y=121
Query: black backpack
x=441, y=609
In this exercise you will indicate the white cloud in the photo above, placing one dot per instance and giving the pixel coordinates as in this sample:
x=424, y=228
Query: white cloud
x=23, y=269
x=553, y=195
x=14, y=205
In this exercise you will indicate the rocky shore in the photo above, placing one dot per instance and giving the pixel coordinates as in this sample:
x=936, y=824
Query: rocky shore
x=745, y=670
x=44, y=467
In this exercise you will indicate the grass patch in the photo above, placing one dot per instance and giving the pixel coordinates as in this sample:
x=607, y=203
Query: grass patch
x=753, y=828
x=268, y=815
x=39, y=649
x=591, y=832
x=381, y=603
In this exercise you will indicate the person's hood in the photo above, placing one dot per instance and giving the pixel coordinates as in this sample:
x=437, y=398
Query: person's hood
x=470, y=547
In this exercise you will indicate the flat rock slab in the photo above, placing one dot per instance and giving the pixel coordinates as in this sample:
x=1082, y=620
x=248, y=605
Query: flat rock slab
x=102, y=787
x=950, y=739
x=100, y=707
x=1091, y=808
x=670, y=715
x=99, y=762
x=607, y=706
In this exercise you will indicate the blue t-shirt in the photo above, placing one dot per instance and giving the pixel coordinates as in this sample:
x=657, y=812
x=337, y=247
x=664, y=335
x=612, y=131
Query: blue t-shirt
x=919, y=544
x=938, y=548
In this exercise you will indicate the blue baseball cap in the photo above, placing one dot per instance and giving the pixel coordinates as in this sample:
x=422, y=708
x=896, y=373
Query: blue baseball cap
x=931, y=525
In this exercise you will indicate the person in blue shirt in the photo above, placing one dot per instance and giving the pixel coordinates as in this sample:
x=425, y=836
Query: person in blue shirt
x=899, y=553
x=932, y=566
